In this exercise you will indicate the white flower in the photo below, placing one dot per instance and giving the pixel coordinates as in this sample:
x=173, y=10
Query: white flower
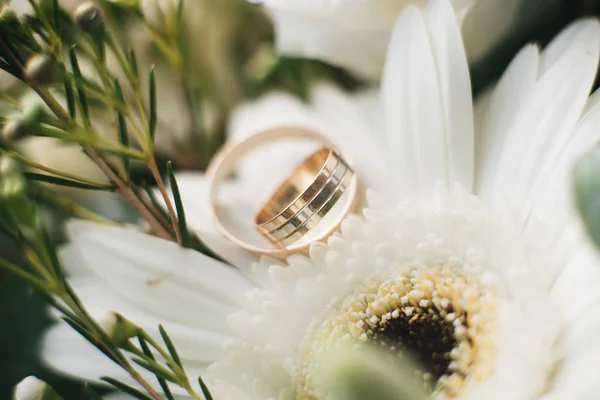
x=31, y=388
x=354, y=34
x=471, y=258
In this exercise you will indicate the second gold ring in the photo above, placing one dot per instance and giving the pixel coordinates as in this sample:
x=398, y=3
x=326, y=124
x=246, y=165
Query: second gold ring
x=302, y=200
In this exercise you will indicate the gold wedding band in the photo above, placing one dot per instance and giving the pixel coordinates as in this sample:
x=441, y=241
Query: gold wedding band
x=303, y=199
x=296, y=221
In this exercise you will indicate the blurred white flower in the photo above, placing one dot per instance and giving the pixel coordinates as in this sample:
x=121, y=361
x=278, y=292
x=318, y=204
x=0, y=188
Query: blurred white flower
x=31, y=388
x=470, y=256
x=354, y=34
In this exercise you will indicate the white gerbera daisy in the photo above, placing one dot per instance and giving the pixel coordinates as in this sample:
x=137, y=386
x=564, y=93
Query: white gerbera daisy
x=471, y=259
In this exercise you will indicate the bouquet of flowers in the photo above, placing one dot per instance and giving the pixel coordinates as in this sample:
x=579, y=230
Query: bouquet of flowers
x=302, y=199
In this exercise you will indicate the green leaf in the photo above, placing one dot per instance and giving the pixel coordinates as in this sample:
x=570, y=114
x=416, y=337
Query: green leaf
x=57, y=180
x=70, y=97
x=162, y=382
x=133, y=63
x=126, y=388
x=156, y=369
x=179, y=11
x=204, y=388
x=50, y=250
x=83, y=103
x=185, y=235
x=152, y=117
x=170, y=346
x=111, y=350
x=86, y=334
x=56, y=15
x=122, y=127
x=587, y=192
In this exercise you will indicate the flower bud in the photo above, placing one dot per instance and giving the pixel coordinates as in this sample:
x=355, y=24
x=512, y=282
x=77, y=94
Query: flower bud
x=119, y=328
x=88, y=16
x=32, y=388
x=15, y=129
x=41, y=69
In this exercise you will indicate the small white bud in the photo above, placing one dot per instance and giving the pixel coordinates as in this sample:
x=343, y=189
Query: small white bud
x=31, y=388
x=119, y=328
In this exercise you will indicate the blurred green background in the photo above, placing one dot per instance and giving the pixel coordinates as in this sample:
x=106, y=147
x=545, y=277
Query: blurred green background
x=23, y=316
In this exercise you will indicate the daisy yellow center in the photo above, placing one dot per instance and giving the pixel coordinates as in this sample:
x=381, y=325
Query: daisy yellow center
x=441, y=316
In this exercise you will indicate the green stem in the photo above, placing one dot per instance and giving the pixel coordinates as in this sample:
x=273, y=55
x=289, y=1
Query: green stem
x=22, y=273
x=32, y=164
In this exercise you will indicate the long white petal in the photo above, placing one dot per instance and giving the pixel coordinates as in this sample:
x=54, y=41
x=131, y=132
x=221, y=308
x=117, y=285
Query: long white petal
x=421, y=81
x=511, y=93
x=181, y=285
x=547, y=121
x=551, y=196
x=455, y=89
x=412, y=108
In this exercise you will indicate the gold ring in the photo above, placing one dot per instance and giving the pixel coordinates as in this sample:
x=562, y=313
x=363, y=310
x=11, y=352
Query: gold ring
x=223, y=164
x=303, y=199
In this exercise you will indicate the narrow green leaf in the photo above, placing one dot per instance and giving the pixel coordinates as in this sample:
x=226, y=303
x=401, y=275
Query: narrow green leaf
x=170, y=346
x=126, y=388
x=57, y=180
x=122, y=127
x=152, y=117
x=204, y=388
x=91, y=393
x=100, y=42
x=587, y=192
x=56, y=15
x=185, y=235
x=157, y=370
x=162, y=382
x=158, y=205
x=144, y=346
x=133, y=63
x=50, y=250
x=86, y=334
x=111, y=350
x=83, y=103
x=179, y=11
x=70, y=97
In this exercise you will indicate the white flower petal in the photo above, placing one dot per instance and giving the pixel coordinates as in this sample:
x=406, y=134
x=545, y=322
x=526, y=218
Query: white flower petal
x=510, y=94
x=576, y=378
x=322, y=39
x=551, y=197
x=545, y=124
x=424, y=141
x=160, y=276
x=347, y=125
x=68, y=352
x=455, y=90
